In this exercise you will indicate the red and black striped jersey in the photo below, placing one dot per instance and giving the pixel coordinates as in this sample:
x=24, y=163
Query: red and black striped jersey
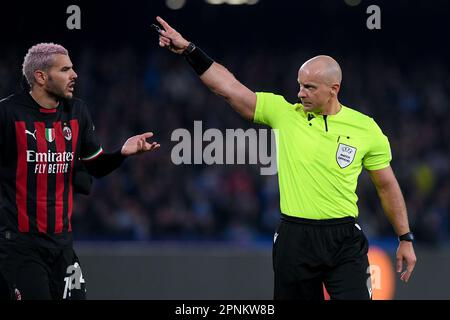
x=39, y=148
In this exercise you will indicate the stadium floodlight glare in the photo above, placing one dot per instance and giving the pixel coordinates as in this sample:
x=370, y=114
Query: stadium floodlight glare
x=352, y=3
x=175, y=4
x=214, y=1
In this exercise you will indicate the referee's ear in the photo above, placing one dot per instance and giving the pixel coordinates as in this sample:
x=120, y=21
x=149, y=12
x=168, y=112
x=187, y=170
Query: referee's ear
x=335, y=89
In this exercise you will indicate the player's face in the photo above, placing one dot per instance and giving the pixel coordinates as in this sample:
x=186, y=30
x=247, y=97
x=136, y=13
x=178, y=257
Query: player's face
x=314, y=93
x=61, y=78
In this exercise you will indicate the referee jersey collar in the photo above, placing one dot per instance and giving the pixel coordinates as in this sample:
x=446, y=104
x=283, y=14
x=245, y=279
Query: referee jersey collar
x=337, y=115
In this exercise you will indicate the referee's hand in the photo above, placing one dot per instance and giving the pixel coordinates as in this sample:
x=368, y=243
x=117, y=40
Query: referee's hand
x=138, y=144
x=405, y=252
x=171, y=38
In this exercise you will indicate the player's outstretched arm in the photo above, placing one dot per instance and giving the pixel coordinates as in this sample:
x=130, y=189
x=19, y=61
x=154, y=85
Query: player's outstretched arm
x=215, y=76
x=105, y=163
x=138, y=144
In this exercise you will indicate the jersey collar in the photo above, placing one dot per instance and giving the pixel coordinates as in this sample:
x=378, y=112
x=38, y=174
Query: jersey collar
x=37, y=106
x=311, y=115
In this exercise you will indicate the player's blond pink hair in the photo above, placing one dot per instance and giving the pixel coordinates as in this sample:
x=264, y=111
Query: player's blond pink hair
x=40, y=57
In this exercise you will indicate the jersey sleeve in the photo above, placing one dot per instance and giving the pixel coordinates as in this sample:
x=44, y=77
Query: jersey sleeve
x=379, y=155
x=270, y=108
x=90, y=143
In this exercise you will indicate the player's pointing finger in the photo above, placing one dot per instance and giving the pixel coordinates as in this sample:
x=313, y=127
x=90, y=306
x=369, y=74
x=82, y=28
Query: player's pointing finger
x=147, y=135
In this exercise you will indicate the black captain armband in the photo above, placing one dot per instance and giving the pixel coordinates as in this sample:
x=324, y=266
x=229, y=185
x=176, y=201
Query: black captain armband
x=198, y=59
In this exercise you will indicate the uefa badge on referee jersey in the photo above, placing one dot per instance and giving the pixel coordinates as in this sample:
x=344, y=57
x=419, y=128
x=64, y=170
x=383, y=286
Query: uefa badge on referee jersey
x=67, y=133
x=345, y=155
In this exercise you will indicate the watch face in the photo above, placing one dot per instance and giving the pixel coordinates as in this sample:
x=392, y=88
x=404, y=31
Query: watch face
x=189, y=48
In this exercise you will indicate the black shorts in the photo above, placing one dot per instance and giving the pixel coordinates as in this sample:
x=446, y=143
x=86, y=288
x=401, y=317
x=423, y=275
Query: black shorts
x=308, y=254
x=32, y=272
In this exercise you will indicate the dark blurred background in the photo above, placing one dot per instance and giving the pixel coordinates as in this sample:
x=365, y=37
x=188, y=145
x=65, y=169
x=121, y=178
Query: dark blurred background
x=399, y=75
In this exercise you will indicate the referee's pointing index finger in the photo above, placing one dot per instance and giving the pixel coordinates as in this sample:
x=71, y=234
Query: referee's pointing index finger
x=163, y=23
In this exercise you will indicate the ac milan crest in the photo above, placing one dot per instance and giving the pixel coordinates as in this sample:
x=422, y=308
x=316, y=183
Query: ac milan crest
x=67, y=133
x=17, y=294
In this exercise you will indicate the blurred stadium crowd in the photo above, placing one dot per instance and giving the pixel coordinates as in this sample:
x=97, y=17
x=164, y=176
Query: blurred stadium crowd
x=149, y=198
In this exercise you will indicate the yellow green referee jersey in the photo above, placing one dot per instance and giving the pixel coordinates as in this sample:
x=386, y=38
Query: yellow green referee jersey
x=320, y=157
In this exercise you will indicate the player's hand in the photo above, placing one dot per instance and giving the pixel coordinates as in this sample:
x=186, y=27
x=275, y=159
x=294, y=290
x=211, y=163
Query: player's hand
x=405, y=252
x=138, y=144
x=170, y=38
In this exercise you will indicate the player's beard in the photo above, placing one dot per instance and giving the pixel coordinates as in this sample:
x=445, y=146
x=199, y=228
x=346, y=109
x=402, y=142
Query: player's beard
x=57, y=91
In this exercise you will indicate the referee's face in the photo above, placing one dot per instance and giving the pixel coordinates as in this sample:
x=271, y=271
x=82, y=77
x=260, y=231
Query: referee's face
x=314, y=93
x=61, y=78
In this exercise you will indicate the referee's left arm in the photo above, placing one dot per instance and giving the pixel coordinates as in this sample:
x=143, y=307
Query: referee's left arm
x=394, y=208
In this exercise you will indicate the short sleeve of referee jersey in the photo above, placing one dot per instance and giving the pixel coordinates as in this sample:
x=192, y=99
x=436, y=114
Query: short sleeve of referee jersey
x=379, y=155
x=270, y=108
x=90, y=144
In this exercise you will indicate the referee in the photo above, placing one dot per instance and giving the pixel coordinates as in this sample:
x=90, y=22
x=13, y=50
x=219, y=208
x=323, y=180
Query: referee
x=322, y=147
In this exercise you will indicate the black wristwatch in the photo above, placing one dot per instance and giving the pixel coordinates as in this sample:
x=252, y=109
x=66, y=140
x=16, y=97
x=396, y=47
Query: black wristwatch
x=409, y=236
x=189, y=49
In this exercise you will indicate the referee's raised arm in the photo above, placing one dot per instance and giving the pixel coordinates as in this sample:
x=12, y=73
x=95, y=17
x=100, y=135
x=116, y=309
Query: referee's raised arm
x=215, y=76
